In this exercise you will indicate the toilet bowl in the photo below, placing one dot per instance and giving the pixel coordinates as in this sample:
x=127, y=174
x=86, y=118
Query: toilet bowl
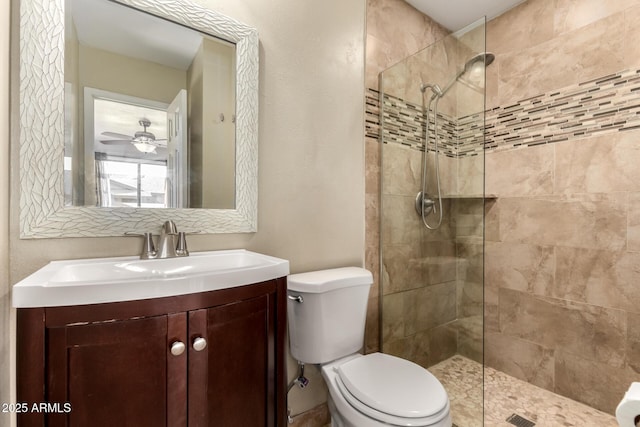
x=326, y=313
x=383, y=390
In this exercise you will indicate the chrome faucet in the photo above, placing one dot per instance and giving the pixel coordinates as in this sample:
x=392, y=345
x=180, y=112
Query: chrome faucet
x=171, y=243
x=167, y=241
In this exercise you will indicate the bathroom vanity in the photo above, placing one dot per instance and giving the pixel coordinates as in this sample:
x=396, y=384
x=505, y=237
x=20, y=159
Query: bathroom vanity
x=213, y=357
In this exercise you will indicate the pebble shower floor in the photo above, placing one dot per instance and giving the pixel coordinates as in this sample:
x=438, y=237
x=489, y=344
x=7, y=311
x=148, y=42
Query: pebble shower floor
x=506, y=396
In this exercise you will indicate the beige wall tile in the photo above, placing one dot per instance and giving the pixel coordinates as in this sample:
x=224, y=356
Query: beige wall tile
x=633, y=341
x=467, y=217
x=372, y=328
x=467, y=225
x=492, y=75
x=470, y=263
x=591, y=51
x=425, y=348
x=400, y=222
x=445, y=232
x=402, y=347
x=470, y=298
x=491, y=311
x=470, y=175
x=603, y=164
x=398, y=31
x=523, y=172
x=428, y=307
x=596, y=384
x=439, y=269
x=470, y=100
x=522, y=359
x=573, y=14
x=470, y=254
x=631, y=35
x=582, y=245
x=421, y=348
x=402, y=269
x=443, y=343
x=593, y=333
x=470, y=342
x=438, y=248
x=436, y=63
x=372, y=171
x=393, y=320
x=398, y=23
x=526, y=25
x=602, y=278
x=520, y=267
x=372, y=239
x=492, y=220
x=448, y=175
x=372, y=234
x=402, y=170
x=633, y=230
x=588, y=221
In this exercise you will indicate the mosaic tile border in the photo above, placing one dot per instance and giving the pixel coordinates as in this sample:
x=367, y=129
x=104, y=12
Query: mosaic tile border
x=404, y=123
x=607, y=104
x=603, y=105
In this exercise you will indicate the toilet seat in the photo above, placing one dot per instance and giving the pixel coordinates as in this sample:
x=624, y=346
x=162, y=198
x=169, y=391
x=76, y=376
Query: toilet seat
x=400, y=392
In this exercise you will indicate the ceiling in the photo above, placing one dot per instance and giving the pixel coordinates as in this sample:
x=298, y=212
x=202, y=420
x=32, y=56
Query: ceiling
x=112, y=27
x=456, y=14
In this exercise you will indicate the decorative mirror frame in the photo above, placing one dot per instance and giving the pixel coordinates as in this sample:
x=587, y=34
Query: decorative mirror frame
x=42, y=210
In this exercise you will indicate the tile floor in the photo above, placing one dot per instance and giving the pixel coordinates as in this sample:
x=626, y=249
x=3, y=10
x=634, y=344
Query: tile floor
x=505, y=395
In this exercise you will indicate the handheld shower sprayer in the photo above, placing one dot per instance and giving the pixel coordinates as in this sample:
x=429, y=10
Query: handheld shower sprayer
x=425, y=204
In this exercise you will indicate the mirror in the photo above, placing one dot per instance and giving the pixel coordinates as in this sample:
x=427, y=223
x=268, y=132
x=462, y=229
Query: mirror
x=101, y=149
x=149, y=111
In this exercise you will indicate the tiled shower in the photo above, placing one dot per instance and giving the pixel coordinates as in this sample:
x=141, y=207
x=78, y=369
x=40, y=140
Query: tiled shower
x=548, y=203
x=432, y=280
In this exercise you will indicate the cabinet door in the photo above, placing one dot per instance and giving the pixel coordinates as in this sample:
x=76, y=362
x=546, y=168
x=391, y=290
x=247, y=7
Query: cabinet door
x=231, y=381
x=119, y=373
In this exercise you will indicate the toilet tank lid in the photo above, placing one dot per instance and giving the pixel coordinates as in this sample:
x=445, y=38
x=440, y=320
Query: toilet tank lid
x=329, y=280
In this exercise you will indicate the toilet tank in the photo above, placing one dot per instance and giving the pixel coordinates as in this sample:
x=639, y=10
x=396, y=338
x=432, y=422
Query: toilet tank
x=327, y=321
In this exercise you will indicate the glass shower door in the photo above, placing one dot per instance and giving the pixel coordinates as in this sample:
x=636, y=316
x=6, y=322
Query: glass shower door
x=432, y=244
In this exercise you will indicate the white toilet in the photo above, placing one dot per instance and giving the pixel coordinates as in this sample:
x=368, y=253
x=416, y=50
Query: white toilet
x=327, y=311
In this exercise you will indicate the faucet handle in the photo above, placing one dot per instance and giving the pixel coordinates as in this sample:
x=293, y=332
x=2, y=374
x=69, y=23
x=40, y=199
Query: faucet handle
x=181, y=247
x=148, y=248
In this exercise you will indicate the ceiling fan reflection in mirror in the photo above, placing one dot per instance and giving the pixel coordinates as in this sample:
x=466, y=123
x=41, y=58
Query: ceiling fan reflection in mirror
x=144, y=141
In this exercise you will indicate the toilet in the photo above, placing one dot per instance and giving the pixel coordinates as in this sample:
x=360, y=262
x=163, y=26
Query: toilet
x=327, y=312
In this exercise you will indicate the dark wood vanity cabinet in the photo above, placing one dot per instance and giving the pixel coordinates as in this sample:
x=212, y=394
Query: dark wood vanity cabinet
x=120, y=364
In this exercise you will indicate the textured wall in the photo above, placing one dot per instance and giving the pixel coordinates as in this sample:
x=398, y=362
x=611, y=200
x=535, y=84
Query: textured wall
x=311, y=161
x=394, y=31
x=5, y=353
x=562, y=249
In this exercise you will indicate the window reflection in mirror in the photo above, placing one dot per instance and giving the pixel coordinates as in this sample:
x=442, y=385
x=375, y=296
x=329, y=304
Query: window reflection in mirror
x=149, y=111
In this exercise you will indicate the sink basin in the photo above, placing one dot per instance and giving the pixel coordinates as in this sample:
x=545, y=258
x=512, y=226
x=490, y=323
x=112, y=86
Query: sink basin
x=101, y=280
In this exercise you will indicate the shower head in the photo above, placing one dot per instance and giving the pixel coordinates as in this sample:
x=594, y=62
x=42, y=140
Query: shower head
x=484, y=57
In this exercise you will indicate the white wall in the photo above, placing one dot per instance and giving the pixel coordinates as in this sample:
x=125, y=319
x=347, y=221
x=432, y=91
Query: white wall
x=311, y=139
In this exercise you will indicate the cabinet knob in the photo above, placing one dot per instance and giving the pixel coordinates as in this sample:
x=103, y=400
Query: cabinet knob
x=199, y=344
x=177, y=348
